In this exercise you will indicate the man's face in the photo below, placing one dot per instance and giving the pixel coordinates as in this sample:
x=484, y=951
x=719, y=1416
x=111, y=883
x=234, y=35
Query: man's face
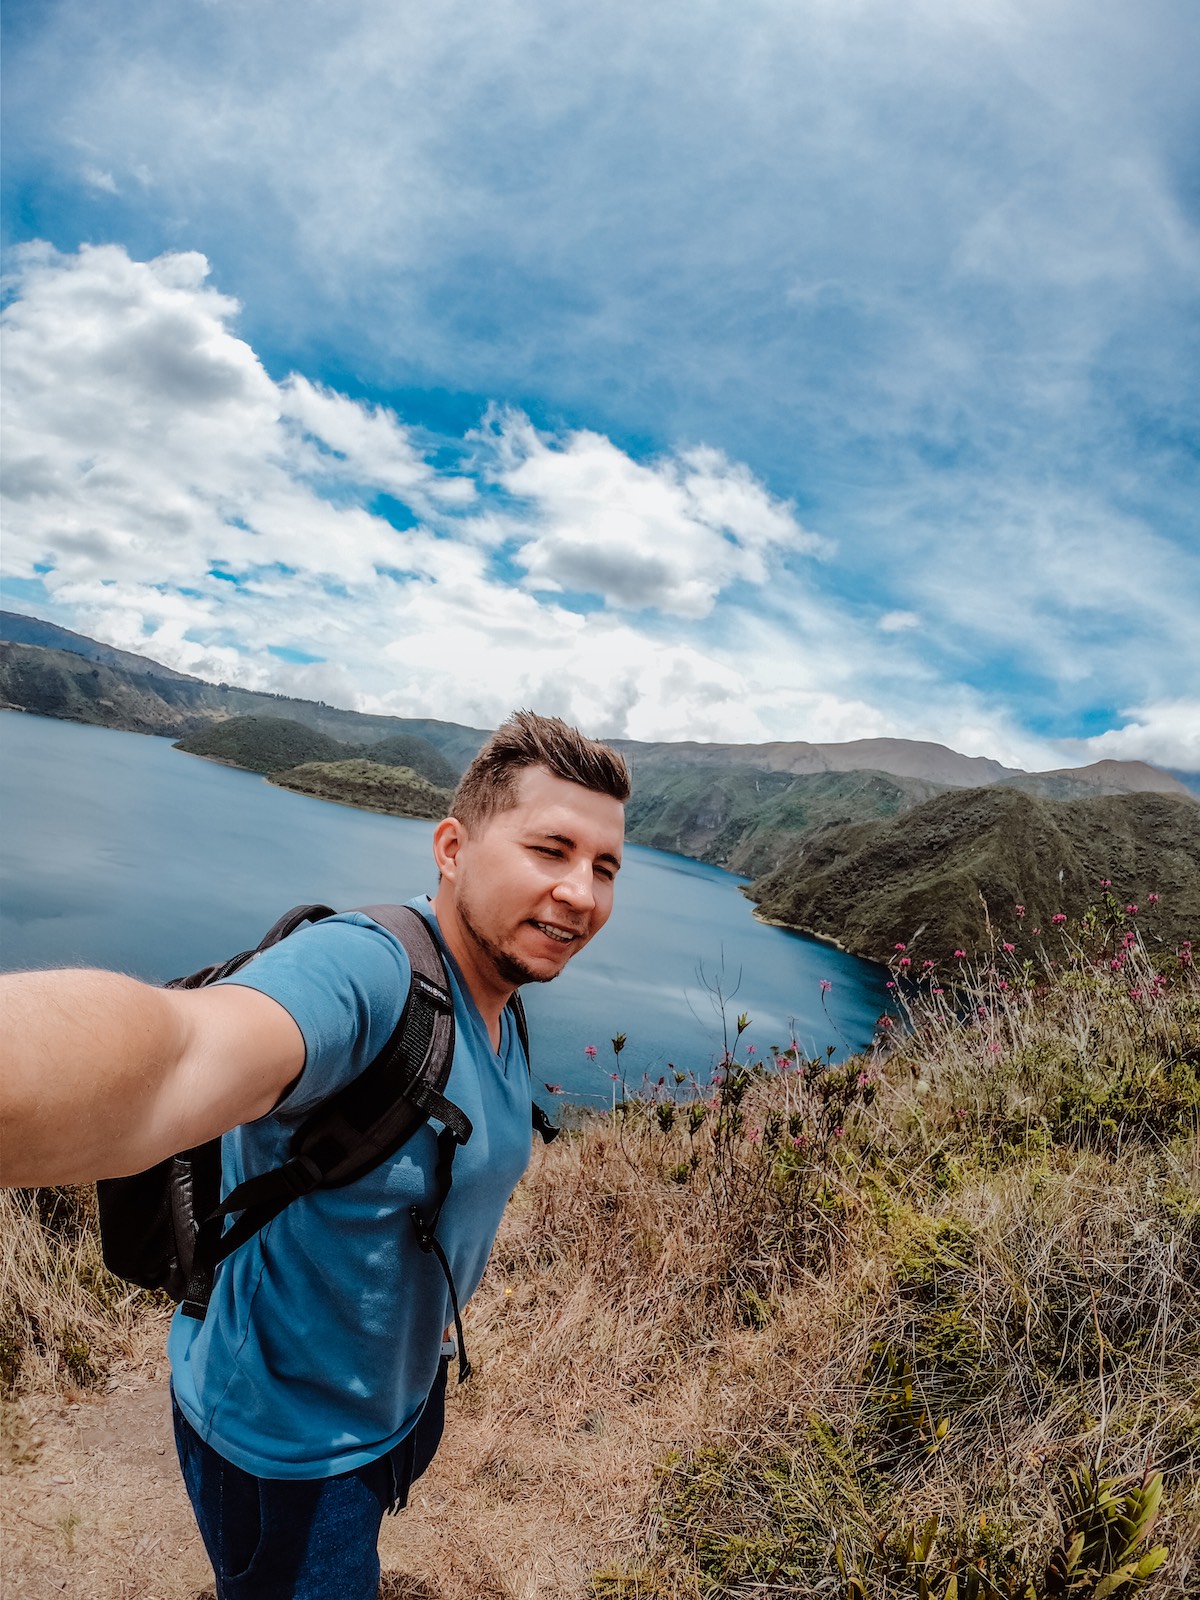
x=533, y=884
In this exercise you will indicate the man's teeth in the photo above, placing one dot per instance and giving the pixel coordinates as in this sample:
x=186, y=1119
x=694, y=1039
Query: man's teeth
x=555, y=933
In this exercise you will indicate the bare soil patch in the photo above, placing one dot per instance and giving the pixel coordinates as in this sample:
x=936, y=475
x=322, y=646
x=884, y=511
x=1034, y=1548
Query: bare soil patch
x=93, y=1506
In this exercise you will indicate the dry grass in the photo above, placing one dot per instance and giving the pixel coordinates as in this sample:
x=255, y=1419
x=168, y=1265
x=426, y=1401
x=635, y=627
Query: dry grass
x=801, y=1312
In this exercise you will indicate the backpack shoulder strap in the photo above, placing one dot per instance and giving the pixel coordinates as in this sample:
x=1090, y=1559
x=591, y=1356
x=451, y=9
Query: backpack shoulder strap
x=517, y=1009
x=541, y=1122
x=369, y=1119
x=288, y=923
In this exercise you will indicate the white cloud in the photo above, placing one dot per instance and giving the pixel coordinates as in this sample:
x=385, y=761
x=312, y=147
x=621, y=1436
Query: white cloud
x=898, y=621
x=96, y=178
x=180, y=502
x=177, y=500
x=922, y=277
x=669, y=536
x=1167, y=734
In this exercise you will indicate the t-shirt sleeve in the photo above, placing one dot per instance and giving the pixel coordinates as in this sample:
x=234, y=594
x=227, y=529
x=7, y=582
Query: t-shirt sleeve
x=344, y=981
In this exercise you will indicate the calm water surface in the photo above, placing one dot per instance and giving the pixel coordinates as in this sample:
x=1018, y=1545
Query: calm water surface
x=118, y=851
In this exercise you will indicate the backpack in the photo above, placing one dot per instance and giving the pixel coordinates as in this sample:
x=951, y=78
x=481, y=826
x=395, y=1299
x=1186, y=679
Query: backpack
x=165, y=1228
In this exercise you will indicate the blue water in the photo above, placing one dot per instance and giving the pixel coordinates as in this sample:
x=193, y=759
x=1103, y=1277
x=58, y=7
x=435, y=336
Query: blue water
x=118, y=851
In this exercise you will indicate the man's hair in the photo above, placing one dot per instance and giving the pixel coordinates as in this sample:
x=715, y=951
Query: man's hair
x=489, y=784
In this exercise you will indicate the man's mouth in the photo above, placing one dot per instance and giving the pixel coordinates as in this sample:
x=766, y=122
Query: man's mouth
x=563, y=935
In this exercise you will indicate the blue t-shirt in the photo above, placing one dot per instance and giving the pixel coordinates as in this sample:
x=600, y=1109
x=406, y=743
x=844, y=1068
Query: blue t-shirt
x=322, y=1337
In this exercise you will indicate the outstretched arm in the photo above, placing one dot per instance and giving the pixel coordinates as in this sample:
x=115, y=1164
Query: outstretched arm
x=101, y=1075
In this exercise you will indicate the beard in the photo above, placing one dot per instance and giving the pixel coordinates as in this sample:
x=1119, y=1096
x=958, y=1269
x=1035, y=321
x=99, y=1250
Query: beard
x=508, y=967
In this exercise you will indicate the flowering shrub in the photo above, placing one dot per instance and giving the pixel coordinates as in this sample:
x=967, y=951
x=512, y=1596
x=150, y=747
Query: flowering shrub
x=1043, y=1002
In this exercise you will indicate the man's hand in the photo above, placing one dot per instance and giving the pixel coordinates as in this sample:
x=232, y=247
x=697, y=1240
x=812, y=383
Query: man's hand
x=102, y=1076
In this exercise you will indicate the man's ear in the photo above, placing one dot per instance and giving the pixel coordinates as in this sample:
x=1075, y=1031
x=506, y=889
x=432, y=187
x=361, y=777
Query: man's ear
x=448, y=839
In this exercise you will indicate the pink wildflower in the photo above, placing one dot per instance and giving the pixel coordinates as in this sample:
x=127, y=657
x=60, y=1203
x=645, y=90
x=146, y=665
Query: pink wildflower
x=800, y=1142
x=1117, y=963
x=927, y=964
x=937, y=991
x=825, y=986
x=838, y=1132
x=1003, y=984
x=1009, y=948
x=960, y=955
x=901, y=947
x=1020, y=911
x=1058, y=918
x=864, y=1079
x=589, y=1051
x=554, y=1088
x=995, y=1048
x=1135, y=994
x=1151, y=899
x=891, y=985
x=905, y=961
x=1106, y=883
x=754, y=1135
x=1131, y=910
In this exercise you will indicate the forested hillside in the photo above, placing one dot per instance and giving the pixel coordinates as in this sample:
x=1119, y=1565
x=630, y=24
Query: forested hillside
x=273, y=744
x=932, y=877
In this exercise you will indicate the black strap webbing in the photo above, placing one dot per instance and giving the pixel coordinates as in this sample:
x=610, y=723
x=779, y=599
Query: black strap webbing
x=425, y=1228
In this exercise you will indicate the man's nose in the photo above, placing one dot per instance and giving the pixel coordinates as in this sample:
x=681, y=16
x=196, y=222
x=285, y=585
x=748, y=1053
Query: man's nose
x=575, y=887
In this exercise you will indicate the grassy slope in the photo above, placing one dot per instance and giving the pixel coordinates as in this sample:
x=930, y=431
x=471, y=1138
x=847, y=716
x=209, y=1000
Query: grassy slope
x=273, y=744
x=262, y=744
x=398, y=791
x=812, y=1307
x=412, y=750
x=920, y=878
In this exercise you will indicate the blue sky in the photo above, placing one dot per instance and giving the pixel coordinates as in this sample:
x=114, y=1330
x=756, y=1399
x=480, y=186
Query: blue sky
x=817, y=369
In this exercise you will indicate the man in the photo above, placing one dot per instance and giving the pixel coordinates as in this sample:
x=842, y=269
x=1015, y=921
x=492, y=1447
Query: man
x=310, y=1396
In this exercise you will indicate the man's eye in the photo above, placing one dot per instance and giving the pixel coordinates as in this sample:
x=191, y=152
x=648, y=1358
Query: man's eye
x=548, y=850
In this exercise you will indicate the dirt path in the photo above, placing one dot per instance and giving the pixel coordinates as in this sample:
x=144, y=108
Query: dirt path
x=93, y=1507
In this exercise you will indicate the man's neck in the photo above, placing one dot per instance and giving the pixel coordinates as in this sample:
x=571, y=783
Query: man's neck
x=484, y=984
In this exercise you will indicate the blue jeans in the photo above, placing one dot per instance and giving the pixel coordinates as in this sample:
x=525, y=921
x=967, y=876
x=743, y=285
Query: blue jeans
x=302, y=1539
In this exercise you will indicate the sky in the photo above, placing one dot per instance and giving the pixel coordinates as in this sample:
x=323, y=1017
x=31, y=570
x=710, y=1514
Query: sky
x=786, y=369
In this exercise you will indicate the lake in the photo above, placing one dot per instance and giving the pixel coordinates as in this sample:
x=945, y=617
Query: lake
x=117, y=850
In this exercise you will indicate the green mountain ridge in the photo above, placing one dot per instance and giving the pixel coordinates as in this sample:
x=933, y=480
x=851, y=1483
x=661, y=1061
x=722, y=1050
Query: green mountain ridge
x=273, y=744
x=856, y=852
x=934, y=876
x=748, y=820
x=57, y=681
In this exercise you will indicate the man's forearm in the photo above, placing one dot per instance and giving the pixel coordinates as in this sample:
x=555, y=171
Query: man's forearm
x=85, y=1058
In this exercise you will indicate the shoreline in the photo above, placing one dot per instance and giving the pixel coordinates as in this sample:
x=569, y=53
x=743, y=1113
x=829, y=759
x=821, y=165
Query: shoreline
x=810, y=933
